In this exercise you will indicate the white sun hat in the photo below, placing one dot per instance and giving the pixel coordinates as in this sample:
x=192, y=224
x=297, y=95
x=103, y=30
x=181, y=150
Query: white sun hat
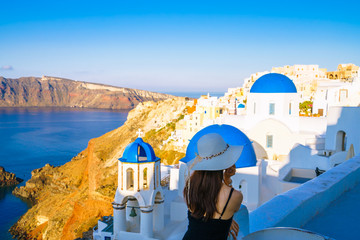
x=213, y=153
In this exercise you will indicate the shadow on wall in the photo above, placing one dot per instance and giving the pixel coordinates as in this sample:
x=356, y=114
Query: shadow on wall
x=302, y=156
x=342, y=129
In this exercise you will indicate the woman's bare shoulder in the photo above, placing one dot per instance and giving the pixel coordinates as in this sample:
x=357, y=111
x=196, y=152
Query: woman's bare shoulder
x=237, y=199
x=237, y=195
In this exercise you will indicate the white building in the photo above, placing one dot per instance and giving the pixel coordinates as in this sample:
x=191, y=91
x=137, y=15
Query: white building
x=336, y=93
x=139, y=199
x=272, y=119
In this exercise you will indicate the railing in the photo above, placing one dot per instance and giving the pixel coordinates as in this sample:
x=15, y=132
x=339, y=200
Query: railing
x=165, y=181
x=295, y=207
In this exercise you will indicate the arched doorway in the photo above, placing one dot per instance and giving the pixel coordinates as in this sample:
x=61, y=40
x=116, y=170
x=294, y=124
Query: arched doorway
x=340, y=141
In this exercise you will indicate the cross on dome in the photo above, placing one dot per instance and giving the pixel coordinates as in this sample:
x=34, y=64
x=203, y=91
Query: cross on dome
x=139, y=133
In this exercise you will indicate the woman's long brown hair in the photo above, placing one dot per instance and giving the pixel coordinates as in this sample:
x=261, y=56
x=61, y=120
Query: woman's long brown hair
x=202, y=196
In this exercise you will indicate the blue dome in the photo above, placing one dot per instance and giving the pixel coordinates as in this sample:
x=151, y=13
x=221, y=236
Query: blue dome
x=273, y=83
x=139, y=152
x=241, y=105
x=232, y=136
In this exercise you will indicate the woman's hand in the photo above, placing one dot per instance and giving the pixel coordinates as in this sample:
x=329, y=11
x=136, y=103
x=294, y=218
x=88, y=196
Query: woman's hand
x=229, y=172
x=234, y=229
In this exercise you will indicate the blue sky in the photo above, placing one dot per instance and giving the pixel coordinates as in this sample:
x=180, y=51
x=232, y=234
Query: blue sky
x=173, y=45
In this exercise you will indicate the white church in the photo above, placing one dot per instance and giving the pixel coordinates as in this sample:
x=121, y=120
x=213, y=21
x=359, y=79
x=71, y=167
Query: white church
x=281, y=151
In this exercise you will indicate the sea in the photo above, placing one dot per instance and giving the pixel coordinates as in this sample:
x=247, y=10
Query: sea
x=33, y=137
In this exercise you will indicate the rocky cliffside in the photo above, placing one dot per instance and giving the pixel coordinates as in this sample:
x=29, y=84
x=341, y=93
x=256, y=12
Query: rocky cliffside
x=8, y=179
x=71, y=198
x=58, y=92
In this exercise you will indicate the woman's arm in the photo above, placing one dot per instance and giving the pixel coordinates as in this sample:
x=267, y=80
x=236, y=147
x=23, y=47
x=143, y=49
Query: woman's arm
x=237, y=199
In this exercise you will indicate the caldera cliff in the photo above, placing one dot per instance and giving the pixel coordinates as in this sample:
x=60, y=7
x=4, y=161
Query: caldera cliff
x=59, y=92
x=69, y=199
x=8, y=179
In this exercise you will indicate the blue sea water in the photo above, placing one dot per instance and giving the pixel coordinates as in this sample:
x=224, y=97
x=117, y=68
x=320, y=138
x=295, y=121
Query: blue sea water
x=32, y=137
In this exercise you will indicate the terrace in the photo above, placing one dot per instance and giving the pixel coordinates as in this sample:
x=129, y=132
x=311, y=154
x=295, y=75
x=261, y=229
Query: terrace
x=327, y=205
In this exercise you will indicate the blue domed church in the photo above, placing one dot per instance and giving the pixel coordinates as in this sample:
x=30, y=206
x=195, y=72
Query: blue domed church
x=247, y=162
x=273, y=96
x=273, y=114
x=139, y=199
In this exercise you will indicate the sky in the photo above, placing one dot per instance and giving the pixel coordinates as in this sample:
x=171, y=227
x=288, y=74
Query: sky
x=171, y=46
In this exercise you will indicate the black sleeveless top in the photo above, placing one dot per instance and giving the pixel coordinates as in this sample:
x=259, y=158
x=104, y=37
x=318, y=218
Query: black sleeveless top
x=213, y=229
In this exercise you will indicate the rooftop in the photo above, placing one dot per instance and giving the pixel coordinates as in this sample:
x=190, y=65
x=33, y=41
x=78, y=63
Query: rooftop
x=139, y=151
x=273, y=83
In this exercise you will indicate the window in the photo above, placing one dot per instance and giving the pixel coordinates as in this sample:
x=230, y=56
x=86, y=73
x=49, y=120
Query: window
x=289, y=108
x=272, y=108
x=343, y=94
x=141, y=154
x=157, y=174
x=269, y=141
x=129, y=179
x=254, y=108
x=145, y=185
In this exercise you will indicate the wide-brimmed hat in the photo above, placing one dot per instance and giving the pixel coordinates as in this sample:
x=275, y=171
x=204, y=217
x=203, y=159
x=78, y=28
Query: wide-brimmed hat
x=213, y=153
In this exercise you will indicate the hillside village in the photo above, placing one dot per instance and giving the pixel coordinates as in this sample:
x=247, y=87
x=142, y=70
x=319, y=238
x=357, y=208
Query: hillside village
x=318, y=90
x=298, y=126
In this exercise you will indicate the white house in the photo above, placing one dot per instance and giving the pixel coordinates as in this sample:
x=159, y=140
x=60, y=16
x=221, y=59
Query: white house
x=272, y=119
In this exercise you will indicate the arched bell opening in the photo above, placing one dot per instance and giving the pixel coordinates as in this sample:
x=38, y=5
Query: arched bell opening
x=133, y=215
x=130, y=179
x=145, y=182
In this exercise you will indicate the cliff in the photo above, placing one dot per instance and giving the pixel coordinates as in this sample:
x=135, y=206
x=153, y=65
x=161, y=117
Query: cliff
x=8, y=179
x=59, y=92
x=69, y=199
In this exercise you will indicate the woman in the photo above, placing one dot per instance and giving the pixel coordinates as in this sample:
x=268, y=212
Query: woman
x=209, y=196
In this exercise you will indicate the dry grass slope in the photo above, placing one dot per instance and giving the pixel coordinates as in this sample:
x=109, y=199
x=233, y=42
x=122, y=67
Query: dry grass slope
x=70, y=199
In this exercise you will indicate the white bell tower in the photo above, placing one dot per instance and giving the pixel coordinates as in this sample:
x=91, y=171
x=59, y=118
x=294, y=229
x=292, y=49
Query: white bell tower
x=139, y=200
